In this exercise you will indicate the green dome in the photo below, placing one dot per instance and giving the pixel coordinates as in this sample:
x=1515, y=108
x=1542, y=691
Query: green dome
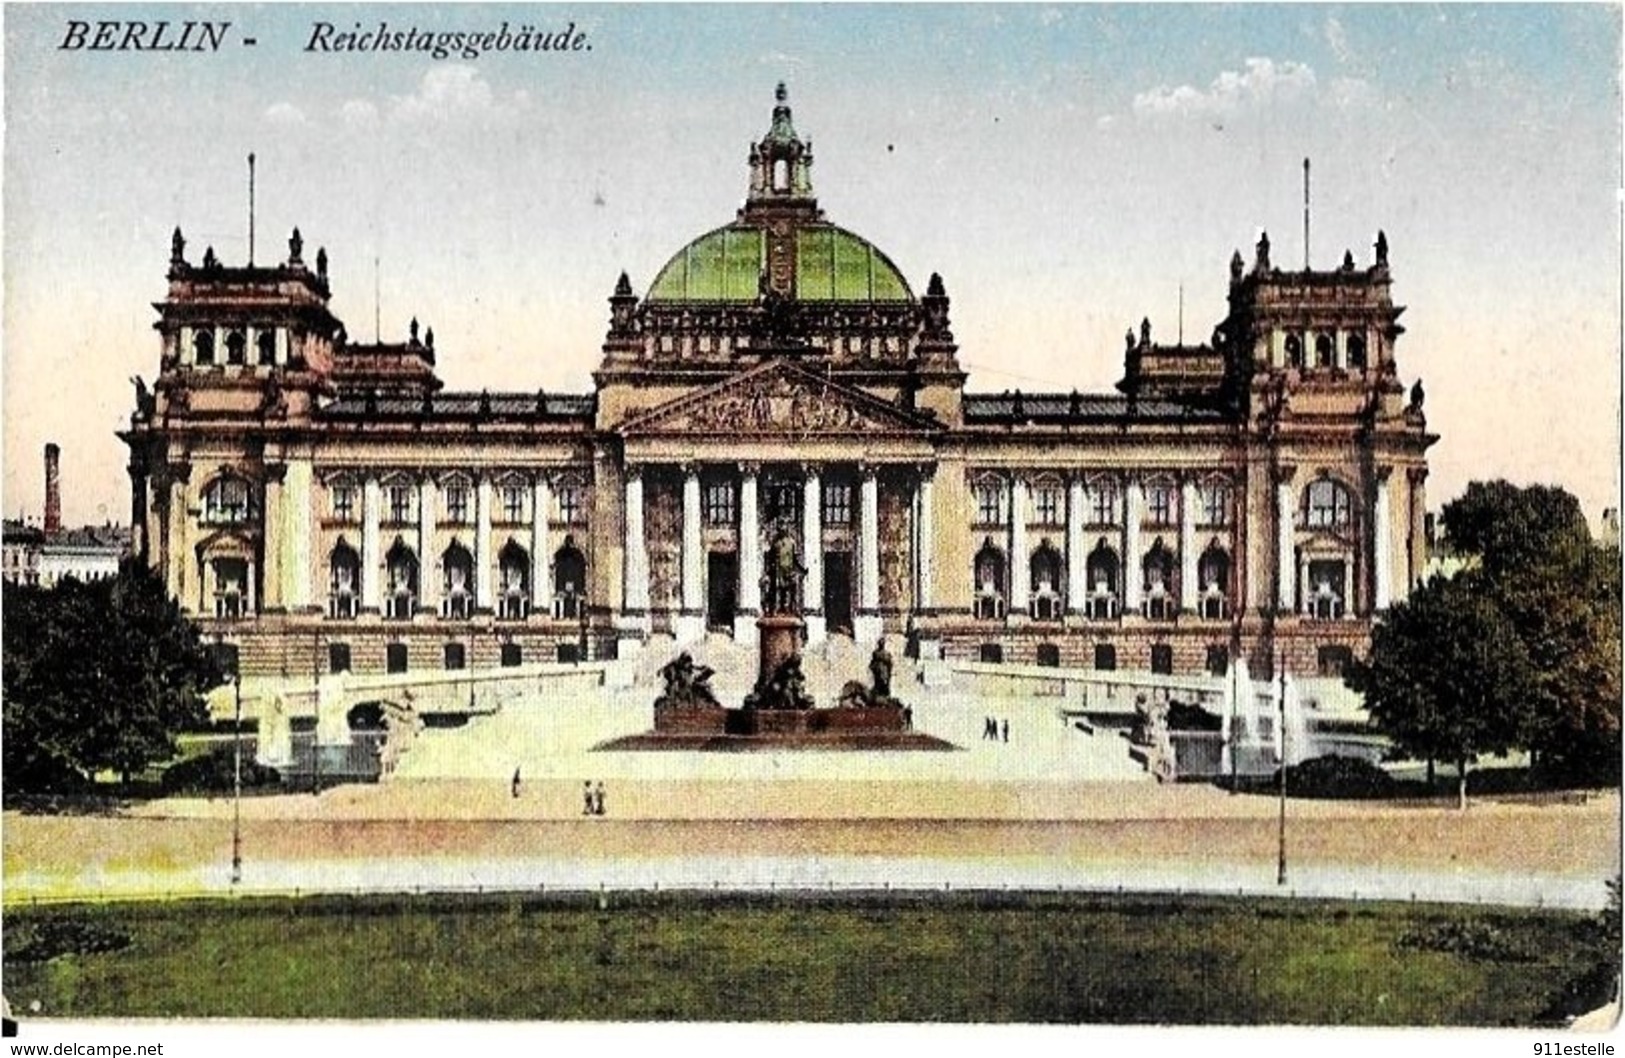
x=832, y=264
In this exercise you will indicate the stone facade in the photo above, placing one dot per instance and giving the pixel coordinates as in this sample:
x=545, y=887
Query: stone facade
x=324, y=503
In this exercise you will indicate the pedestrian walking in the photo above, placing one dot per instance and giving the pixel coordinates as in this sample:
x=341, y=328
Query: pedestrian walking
x=598, y=799
x=516, y=782
x=586, y=798
x=990, y=728
x=1007, y=729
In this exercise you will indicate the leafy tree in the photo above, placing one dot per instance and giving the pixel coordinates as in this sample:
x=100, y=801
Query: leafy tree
x=1448, y=676
x=97, y=676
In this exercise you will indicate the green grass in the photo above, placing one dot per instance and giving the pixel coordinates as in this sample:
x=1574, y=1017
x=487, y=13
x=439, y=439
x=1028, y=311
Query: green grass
x=827, y=957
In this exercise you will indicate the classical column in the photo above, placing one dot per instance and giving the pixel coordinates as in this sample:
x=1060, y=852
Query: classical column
x=925, y=540
x=274, y=538
x=428, y=556
x=1133, y=574
x=1381, y=554
x=1286, y=586
x=482, y=544
x=1187, y=546
x=867, y=623
x=1019, y=574
x=812, y=553
x=541, y=568
x=750, y=557
x=635, y=589
x=298, y=498
x=1077, y=563
x=691, y=621
x=371, y=500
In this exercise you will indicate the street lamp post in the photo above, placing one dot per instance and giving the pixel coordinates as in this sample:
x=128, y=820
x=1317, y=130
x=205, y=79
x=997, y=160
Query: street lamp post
x=237, y=780
x=1280, y=719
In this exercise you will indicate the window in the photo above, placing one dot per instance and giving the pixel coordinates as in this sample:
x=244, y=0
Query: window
x=236, y=347
x=514, y=601
x=456, y=656
x=1325, y=351
x=1046, y=583
x=457, y=504
x=570, y=504
x=400, y=503
x=988, y=572
x=344, y=503
x=230, y=587
x=395, y=657
x=1332, y=661
x=227, y=658
x=512, y=656
x=1294, y=351
x=1215, y=505
x=782, y=502
x=1047, y=505
x=718, y=503
x=458, y=583
x=1049, y=656
x=837, y=503
x=1325, y=598
x=1355, y=345
x=1100, y=575
x=1218, y=660
x=1159, y=504
x=1213, y=575
x=989, y=503
x=568, y=653
x=266, y=342
x=570, y=577
x=1158, y=571
x=990, y=653
x=1102, y=503
x=203, y=347
x=1105, y=657
x=513, y=503
x=1162, y=659
x=227, y=501
x=344, y=582
x=1326, y=505
x=402, y=567
x=338, y=657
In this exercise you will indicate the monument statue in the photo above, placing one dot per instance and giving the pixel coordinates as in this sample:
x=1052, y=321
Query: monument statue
x=880, y=668
x=688, y=685
x=783, y=578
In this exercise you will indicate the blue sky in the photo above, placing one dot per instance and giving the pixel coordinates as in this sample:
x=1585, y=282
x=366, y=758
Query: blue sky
x=1067, y=169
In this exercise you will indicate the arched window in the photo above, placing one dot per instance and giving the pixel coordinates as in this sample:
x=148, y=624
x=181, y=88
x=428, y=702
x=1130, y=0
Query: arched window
x=344, y=581
x=570, y=579
x=1158, y=570
x=1327, y=505
x=988, y=572
x=228, y=500
x=203, y=347
x=1356, y=352
x=781, y=175
x=1325, y=351
x=514, y=566
x=1213, y=575
x=266, y=342
x=231, y=595
x=1326, y=598
x=402, y=566
x=236, y=347
x=457, y=582
x=1294, y=351
x=1046, y=569
x=1101, y=572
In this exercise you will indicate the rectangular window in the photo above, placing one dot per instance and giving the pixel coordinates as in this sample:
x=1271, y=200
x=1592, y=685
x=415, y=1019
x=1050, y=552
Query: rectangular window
x=1047, y=504
x=1218, y=660
x=991, y=653
x=1159, y=504
x=513, y=503
x=783, y=502
x=512, y=656
x=719, y=503
x=1216, y=506
x=1102, y=505
x=1049, y=655
x=456, y=656
x=568, y=653
x=338, y=657
x=400, y=503
x=344, y=503
x=1105, y=657
x=457, y=504
x=1162, y=659
x=837, y=503
x=395, y=657
x=989, y=504
x=570, y=504
x=1332, y=661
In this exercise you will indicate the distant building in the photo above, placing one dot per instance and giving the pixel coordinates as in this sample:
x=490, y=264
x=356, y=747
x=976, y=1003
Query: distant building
x=23, y=544
x=42, y=555
x=1608, y=533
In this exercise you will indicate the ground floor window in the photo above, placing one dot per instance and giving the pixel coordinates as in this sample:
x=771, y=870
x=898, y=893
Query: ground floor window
x=1049, y=655
x=1218, y=660
x=1105, y=657
x=512, y=656
x=991, y=653
x=1162, y=659
x=338, y=657
x=1332, y=661
x=395, y=657
x=456, y=656
x=569, y=653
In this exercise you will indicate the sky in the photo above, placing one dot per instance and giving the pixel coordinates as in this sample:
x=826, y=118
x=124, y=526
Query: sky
x=1067, y=170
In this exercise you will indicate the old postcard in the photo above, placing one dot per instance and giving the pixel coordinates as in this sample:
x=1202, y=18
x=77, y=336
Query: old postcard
x=1016, y=514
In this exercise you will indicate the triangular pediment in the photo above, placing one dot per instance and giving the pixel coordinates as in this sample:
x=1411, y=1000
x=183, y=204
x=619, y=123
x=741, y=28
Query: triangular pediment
x=777, y=399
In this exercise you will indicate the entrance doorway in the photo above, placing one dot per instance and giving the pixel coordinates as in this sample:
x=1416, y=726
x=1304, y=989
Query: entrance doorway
x=721, y=589
x=838, y=591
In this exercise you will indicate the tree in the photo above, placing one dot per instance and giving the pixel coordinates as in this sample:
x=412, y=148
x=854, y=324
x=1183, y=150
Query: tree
x=97, y=676
x=1448, y=676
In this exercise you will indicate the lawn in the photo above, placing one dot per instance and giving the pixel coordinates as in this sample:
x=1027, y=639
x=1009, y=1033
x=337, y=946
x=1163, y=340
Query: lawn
x=993, y=957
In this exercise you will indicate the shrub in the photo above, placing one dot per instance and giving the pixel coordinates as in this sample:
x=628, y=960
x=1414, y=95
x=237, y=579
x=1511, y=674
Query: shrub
x=211, y=772
x=1338, y=777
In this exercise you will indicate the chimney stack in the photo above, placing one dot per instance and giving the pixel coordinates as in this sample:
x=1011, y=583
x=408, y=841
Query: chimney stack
x=53, y=490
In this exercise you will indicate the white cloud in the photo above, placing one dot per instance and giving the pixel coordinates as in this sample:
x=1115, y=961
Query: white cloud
x=1337, y=39
x=284, y=114
x=358, y=113
x=454, y=93
x=1261, y=82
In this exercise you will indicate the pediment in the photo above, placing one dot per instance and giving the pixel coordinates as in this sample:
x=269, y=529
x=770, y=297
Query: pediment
x=777, y=400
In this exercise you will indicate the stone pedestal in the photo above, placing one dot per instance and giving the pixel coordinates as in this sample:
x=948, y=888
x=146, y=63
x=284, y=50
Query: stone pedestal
x=778, y=639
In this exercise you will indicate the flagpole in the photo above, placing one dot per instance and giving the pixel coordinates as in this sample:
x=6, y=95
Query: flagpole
x=1280, y=836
